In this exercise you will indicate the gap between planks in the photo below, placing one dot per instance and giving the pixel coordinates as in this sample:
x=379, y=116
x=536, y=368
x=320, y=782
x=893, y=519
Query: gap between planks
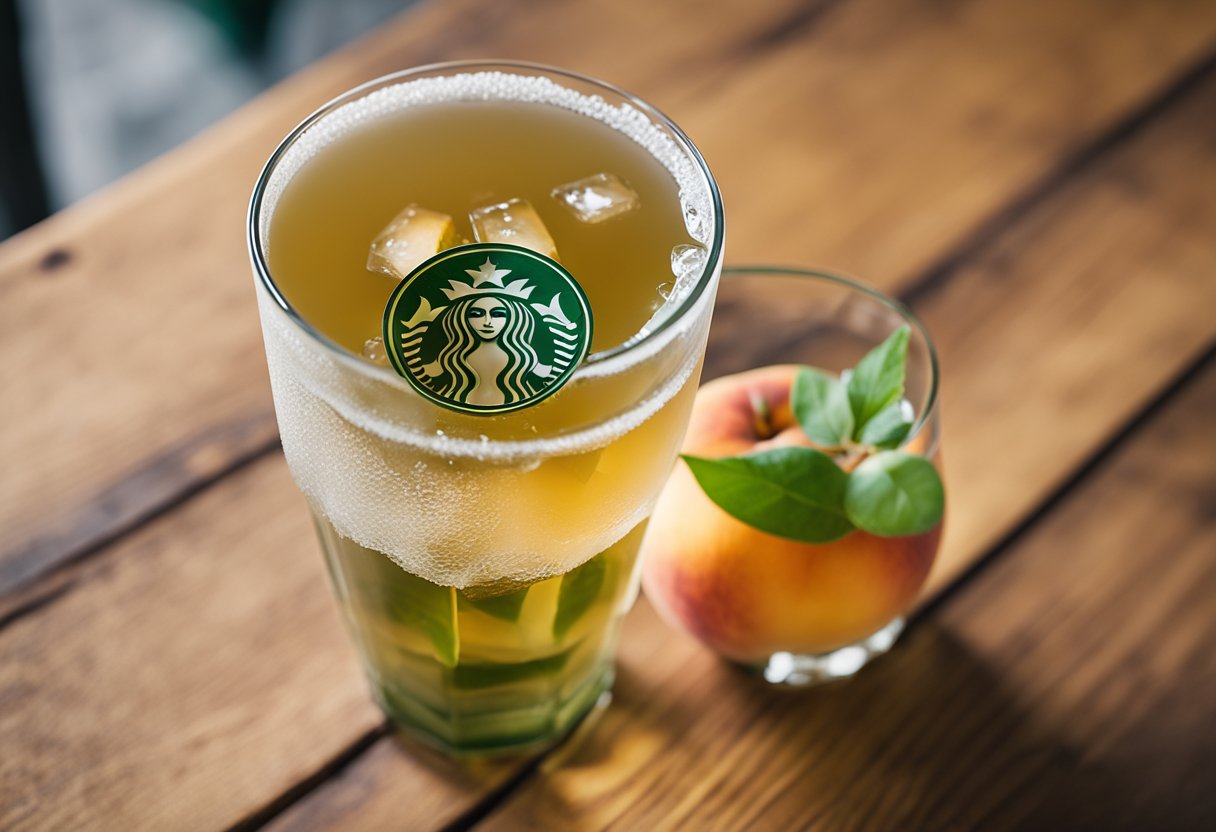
x=332, y=768
x=1125, y=129
x=1172, y=390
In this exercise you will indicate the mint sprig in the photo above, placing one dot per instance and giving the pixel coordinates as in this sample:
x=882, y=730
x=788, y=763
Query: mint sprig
x=888, y=427
x=877, y=382
x=894, y=493
x=802, y=493
x=821, y=405
x=790, y=492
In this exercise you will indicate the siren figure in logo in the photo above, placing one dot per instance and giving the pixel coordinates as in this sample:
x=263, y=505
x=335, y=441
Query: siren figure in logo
x=490, y=347
x=488, y=358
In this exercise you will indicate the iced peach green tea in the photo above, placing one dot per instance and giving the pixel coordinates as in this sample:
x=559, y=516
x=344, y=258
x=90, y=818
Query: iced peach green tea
x=483, y=562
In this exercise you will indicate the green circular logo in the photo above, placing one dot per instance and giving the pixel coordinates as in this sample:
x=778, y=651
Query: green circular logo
x=487, y=328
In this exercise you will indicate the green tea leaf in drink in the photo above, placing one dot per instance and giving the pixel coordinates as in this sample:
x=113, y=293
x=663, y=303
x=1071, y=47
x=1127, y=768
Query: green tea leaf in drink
x=506, y=607
x=428, y=607
x=473, y=675
x=580, y=588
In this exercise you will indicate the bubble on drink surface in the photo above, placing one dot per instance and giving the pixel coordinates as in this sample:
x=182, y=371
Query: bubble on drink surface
x=411, y=237
x=687, y=263
x=694, y=219
x=516, y=222
x=373, y=351
x=598, y=197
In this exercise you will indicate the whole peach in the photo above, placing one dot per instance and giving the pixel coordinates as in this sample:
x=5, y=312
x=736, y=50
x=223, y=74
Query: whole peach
x=748, y=594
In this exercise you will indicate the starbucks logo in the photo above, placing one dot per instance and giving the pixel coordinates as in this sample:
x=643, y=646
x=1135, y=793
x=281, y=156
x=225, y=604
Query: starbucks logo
x=487, y=328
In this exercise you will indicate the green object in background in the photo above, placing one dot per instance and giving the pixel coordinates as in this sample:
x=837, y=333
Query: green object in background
x=245, y=23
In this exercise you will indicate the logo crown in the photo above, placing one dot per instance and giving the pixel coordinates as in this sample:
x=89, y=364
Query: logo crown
x=488, y=279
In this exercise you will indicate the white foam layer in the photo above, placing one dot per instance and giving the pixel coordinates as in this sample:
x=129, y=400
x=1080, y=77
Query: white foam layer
x=647, y=346
x=461, y=510
x=325, y=377
x=497, y=86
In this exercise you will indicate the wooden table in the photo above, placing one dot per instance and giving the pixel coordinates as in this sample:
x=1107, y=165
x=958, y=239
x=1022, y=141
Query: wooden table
x=1036, y=180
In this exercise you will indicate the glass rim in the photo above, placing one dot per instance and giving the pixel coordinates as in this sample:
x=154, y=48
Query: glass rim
x=629, y=346
x=894, y=304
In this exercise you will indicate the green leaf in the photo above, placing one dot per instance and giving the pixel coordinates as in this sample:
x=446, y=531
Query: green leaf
x=507, y=607
x=790, y=492
x=580, y=588
x=473, y=675
x=821, y=405
x=888, y=427
x=428, y=607
x=878, y=379
x=894, y=493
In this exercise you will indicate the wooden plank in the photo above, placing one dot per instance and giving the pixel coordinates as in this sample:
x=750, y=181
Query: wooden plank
x=1071, y=686
x=191, y=676
x=1059, y=332
x=1066, y=326
x=904, y=124
x=225, y=786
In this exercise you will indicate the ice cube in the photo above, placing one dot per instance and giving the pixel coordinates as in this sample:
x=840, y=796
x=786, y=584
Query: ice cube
x=412, y=236
x=373, y=351
x=687, y=261
x=597, y=198
x=514, y=221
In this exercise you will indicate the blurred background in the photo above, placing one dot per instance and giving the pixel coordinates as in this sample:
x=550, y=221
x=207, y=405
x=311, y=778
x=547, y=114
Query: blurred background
x=92, y=89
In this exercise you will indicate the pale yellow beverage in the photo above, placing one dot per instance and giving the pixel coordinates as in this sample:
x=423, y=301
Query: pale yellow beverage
x=483, y=562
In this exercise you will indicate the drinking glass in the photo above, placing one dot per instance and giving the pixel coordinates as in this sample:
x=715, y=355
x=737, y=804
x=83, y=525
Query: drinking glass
x=483, y=564
x=802, y=613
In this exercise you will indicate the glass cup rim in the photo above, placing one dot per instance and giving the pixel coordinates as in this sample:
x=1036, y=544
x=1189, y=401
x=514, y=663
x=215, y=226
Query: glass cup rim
x=605, y=357
x=894, y=304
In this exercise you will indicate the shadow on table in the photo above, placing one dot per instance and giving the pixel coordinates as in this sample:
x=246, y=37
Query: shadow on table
x=928, y=737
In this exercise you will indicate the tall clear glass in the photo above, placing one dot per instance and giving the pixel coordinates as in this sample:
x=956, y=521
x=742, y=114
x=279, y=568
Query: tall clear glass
x=483, y=563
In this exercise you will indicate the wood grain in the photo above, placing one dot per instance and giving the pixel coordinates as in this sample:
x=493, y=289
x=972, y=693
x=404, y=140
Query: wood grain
x=903, y=124
x=195, y=673
x=1071, y=686
x=1058, y=333
x=191, y=676
x=1068, y=324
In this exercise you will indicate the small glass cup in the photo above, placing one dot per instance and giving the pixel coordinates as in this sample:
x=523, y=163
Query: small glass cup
x=799, y=613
